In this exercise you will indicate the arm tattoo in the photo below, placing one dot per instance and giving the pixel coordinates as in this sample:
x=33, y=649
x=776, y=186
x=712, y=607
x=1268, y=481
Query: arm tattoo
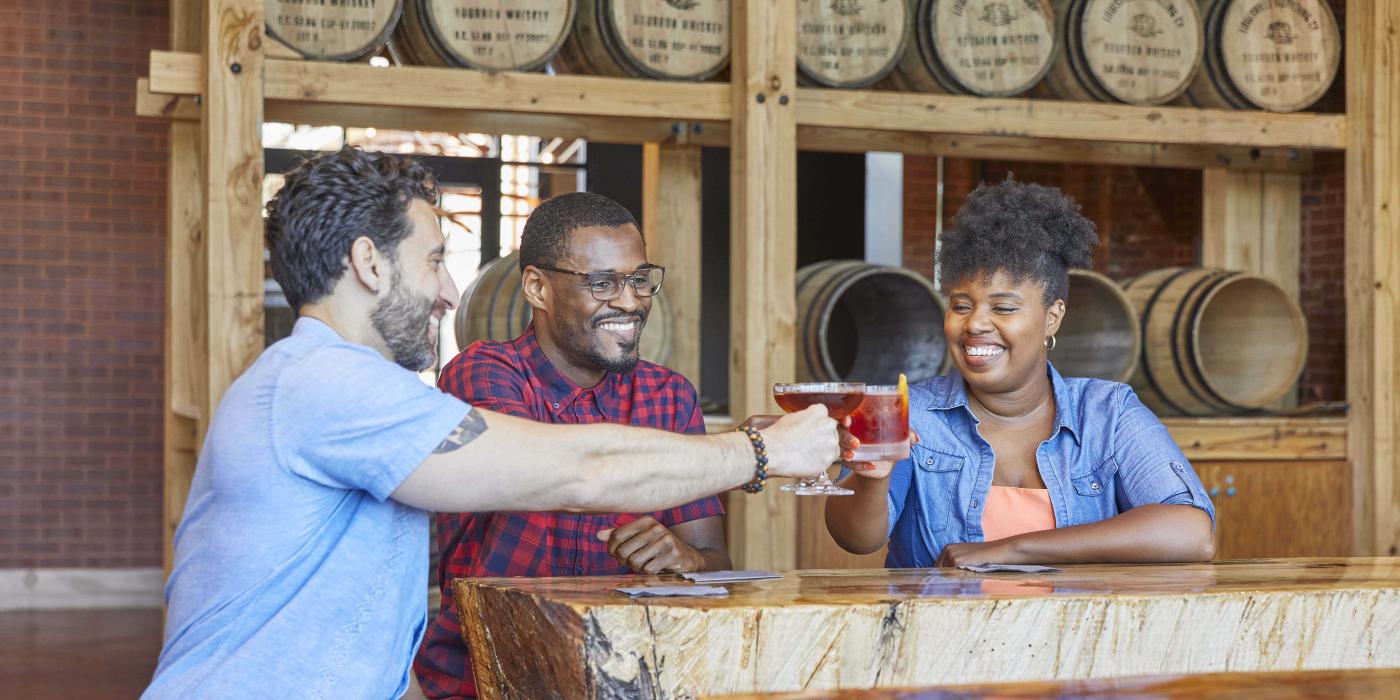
x=469, y=429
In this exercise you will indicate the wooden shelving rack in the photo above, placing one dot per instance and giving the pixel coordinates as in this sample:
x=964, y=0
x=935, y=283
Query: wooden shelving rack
x=219, y=83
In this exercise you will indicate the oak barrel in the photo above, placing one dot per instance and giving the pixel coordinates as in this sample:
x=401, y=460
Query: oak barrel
x=662, y=39
x=851, y=43
x=494, y=308
x=1215, y=342
x=991, y=48
x=1280, y=56
x=340, y=31
x=1142, y=52
x=484, y=34
x=1099, y=336
x=867, y=323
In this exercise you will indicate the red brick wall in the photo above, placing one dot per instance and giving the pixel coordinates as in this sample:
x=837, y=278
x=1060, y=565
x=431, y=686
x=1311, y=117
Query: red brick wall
x=82, y=198
x=1150, y=218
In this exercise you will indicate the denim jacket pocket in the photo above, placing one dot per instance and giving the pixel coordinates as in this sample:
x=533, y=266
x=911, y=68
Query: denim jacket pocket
x=1095, y=483
x=935, y=461
x=940, y=473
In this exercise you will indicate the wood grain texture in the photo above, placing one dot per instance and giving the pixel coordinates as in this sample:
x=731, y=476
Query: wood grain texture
x=763, y=255
x=1264, y=438
x=1276, y=56
x=662, y=39
x=671, y=218
x=1279, y=509
x=231, y=137
x=1373, y=269
x=186, y=306
x=978, y=47
x=851, y=43
x=1282, y=685
x=334, y=31
x=335, y=85
x=484, y=34
x=890, y=628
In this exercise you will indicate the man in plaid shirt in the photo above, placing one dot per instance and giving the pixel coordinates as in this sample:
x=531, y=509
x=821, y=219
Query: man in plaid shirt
x=586, y=276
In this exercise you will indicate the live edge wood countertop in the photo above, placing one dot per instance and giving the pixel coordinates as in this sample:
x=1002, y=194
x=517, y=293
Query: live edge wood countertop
x=828, y=629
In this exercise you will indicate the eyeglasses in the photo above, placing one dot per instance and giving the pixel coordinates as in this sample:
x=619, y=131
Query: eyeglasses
x=645, y=281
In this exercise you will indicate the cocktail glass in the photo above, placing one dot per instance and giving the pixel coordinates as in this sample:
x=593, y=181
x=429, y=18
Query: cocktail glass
x=881, y=423
x=840, y=399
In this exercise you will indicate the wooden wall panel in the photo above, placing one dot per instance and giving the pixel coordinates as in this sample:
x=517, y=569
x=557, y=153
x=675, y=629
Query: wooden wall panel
x=1280, y=509
x=671, y=224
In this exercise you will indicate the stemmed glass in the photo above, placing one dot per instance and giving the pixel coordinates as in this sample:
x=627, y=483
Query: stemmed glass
x=840, y=399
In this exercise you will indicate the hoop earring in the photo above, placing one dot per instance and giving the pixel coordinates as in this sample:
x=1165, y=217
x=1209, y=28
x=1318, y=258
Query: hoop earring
x=1050, y=343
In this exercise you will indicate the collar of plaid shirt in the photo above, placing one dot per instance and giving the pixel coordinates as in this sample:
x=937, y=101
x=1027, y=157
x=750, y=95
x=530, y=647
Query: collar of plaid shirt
x=560, y=391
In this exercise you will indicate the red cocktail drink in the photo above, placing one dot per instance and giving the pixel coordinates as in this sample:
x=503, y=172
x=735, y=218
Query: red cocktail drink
x=882, y=425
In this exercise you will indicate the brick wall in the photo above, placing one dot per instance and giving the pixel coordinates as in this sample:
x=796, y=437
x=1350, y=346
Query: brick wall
x=1150, y=218
x=82, y=198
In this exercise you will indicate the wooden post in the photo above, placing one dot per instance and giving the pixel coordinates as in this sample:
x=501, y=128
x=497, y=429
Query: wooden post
x=671, y=224
x=1373, y=270
x=185, y=313
x=232, y=139
x=763, y=254
x=1251, y=222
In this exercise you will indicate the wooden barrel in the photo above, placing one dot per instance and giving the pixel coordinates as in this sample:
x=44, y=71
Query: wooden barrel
x=1215, y=342
x=494, y=308
x=341, y=31
x=483, y=34
x=1099, y=336
x=663, y=39
x=867, y=323
x=1142, y=52
x=1266, y=54
x=992, y=48
x=851, y=43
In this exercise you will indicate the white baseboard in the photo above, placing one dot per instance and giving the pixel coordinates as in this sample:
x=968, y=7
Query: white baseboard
x=68, y=589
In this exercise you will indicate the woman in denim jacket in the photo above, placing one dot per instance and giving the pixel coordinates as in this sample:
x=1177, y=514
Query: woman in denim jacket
x=1016, y=464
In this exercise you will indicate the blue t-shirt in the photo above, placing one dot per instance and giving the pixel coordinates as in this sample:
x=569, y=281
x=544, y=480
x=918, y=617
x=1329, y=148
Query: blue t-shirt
x=1106, y=454
x=294, y=574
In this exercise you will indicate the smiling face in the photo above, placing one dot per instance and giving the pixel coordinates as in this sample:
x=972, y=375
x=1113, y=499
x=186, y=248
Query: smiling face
x=595, y=336
x=997, y=330
x=420, y=291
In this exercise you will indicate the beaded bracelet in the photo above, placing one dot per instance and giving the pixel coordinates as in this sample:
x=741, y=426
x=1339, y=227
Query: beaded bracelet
x=760, y=453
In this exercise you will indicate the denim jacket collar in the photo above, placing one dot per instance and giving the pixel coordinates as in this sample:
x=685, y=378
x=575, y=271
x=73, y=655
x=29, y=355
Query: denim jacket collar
x=954, y=395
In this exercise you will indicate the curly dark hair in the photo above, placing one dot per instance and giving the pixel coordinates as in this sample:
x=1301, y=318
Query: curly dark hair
x=327, y=203
x=1027, y=230
x=545, y=239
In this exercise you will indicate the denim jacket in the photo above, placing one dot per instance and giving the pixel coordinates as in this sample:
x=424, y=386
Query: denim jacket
x=1106, y=454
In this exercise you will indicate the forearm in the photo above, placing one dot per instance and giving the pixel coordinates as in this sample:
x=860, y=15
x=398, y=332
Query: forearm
x=1147, y=534
x=514, y=464
x=860, y=522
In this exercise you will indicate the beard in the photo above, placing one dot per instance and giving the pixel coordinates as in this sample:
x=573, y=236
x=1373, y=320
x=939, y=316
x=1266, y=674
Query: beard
x=586, y=344
x=402, y=321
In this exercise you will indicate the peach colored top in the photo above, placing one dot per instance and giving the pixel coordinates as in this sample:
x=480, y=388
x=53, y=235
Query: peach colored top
x=1012, y=511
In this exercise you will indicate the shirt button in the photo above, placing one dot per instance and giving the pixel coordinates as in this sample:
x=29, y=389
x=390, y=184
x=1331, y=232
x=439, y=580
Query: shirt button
x=556, y=404
x=929, y=461
x=1094, y=486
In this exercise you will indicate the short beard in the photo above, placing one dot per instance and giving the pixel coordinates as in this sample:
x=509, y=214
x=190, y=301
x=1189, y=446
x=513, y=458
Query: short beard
x=581, y=338
x=401, y=320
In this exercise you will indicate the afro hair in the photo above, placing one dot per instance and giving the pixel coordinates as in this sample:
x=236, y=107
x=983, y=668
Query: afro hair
x=1026, y=230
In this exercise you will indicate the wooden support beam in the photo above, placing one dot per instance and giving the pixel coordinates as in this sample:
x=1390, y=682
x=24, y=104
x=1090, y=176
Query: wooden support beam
x=671, y=216
x=1091, y=121
x=232, y=141
x=762, y=529
x=846, y=117
x=185, y=310
x=1373, y=270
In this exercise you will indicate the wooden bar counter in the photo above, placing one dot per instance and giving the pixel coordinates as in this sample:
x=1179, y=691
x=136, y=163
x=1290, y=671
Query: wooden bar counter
x=817, y=630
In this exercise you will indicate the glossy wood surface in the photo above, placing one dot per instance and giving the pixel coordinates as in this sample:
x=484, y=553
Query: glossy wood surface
x=576, y=637
x=1295, y=685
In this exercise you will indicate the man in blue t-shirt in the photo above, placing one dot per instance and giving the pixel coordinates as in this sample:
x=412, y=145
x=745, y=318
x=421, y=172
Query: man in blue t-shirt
x=301, y=561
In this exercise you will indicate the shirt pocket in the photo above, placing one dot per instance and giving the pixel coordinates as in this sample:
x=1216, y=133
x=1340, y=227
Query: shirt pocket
x=939, y=473
x=1094, y=492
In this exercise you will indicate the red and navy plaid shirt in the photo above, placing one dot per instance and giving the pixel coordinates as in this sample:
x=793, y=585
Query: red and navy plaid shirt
x=516, y=378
